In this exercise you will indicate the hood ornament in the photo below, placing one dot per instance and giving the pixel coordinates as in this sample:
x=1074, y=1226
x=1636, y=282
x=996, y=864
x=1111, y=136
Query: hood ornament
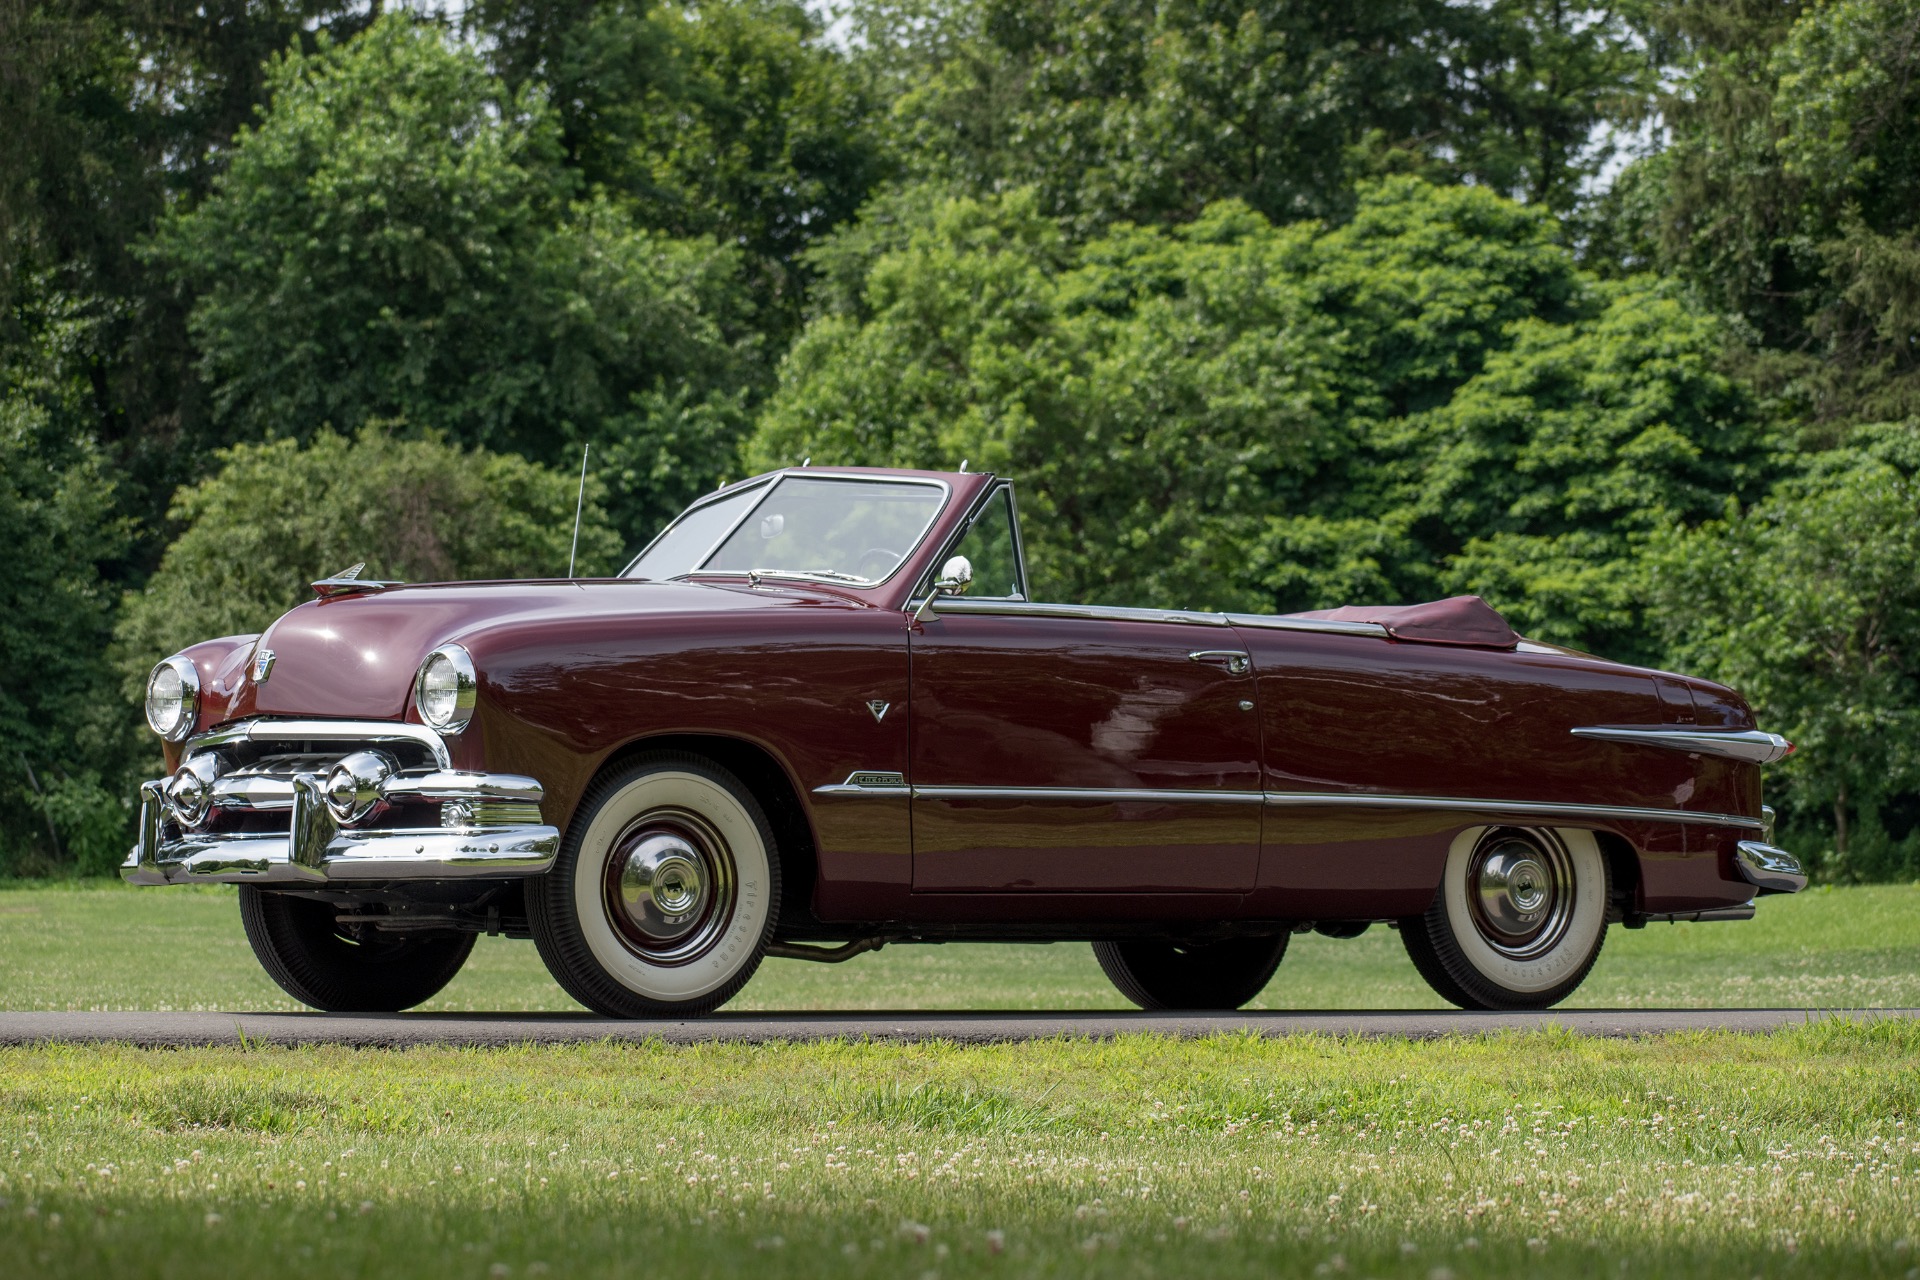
x=348, y=582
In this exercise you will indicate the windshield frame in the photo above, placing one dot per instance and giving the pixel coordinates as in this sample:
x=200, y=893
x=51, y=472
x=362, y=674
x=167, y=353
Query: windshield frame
x=771, y=482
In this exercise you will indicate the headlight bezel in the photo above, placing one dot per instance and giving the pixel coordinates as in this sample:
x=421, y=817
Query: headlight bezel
x=187, y=705
x=466, y=688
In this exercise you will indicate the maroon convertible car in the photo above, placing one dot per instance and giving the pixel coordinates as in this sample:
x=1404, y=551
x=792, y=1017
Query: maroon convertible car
x=821, y=712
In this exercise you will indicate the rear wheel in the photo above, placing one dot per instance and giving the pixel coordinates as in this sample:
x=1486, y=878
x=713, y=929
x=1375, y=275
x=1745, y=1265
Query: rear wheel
x=1168, y=975
x=1518, y=920
x=334, y=968
x=665, y=891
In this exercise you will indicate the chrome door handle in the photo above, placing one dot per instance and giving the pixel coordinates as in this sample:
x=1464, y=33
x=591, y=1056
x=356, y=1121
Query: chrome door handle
x=1236, y=662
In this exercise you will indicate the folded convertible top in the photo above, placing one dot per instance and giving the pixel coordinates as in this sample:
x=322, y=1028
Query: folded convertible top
x=1465, y=620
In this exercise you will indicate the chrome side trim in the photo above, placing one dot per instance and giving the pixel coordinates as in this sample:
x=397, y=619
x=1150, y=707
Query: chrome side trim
x=1103, y=613
x=1277, y=622
x=1530, y=808
x=1769, y=869
x=356, y=731
x=1089, y=795
x=1750, y=745
x=1190, y=617
x=866, y=784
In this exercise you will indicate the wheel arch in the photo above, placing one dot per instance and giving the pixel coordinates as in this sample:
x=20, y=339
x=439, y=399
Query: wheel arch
x=771, y=784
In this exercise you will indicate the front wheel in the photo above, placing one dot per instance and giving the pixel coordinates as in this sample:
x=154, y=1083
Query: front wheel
x=1168, y=975
x=665, y=891
x=338, y=969
x=1518, y=920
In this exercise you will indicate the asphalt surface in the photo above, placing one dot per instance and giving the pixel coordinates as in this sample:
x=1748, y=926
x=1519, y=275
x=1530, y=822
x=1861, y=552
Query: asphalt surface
x=400, y=1030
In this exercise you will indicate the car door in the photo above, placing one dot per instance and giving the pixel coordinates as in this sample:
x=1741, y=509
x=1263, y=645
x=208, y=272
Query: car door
x=1060, y=748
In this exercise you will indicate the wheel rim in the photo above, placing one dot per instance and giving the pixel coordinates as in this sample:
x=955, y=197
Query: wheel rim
x=1520, y=892
x=669, y=887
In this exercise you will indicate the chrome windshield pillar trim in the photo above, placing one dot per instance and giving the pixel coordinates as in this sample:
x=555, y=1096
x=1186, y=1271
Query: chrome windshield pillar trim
x=1529, y=808
x=1767, y=868
x=359, y=732
x=1751, y=745
x=867, y=782
x=1090, y=795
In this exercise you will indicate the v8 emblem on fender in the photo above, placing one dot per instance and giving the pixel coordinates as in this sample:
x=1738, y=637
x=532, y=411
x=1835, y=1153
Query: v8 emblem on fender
x=879, y=708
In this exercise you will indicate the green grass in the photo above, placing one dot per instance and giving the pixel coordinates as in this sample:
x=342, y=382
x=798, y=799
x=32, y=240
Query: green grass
x=110, y=947
x=1545, y=1154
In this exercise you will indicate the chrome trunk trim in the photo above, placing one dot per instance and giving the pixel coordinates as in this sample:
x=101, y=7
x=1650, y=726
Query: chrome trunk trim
x=1750, y=745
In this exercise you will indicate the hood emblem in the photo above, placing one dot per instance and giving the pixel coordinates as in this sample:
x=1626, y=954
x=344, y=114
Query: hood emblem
x=262, y=665
x=879, y=709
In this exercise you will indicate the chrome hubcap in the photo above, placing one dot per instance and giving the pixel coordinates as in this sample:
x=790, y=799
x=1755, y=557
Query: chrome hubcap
x=1521, y=894
x=663, y=884
x=669, y=887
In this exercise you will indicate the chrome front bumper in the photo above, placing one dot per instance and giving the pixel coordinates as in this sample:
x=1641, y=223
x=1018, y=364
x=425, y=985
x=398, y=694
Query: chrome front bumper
x=319, y=851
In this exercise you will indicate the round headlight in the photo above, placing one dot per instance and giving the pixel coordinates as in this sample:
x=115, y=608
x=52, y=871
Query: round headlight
x=173, y=698
x=444, y=690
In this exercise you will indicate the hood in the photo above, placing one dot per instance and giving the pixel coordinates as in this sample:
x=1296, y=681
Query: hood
x=354, y=657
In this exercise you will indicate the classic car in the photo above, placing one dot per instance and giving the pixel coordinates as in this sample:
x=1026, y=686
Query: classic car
x=819, y=713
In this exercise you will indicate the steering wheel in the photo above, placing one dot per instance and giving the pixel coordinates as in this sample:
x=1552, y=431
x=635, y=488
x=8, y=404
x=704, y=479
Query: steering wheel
x=890, y=556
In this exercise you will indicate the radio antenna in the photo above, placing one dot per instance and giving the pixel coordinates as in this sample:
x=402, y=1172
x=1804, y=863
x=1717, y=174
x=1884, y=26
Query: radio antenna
x=578, y=503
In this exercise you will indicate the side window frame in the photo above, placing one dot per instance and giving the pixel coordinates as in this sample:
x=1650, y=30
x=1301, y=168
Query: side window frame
x=952, y=548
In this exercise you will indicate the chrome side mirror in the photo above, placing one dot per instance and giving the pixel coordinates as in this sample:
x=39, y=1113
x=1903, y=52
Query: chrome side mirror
x=956, y=575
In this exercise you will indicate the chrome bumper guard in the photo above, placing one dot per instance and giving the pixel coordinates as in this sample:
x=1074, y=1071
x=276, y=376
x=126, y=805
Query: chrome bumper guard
x=1768, y=869
x=317, y=850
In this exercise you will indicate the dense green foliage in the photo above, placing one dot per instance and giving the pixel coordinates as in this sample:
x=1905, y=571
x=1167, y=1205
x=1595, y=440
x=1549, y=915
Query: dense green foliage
x=1608, y=313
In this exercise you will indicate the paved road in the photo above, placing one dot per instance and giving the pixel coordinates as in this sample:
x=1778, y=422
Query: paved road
x=405, y=1029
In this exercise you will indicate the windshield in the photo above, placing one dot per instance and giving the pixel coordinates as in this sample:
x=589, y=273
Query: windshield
x=842, y=528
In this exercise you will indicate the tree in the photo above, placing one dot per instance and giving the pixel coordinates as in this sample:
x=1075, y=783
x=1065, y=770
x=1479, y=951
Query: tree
x=1128, y=110
x=1791, y=195
x=56, y=615
x=735, y=120
x=1808, y=602
x=1230, y=414
x=397, y=239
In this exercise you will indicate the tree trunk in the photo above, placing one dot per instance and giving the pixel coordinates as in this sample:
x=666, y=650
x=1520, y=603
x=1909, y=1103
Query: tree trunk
x=1840, y=825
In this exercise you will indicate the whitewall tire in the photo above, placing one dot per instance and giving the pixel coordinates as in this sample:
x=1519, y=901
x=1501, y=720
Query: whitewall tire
x=1518, y=919
x=665, y=891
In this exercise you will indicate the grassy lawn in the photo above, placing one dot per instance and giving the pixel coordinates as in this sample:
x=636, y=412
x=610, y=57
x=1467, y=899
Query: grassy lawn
x=104, y=946
x=1783, y=1155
